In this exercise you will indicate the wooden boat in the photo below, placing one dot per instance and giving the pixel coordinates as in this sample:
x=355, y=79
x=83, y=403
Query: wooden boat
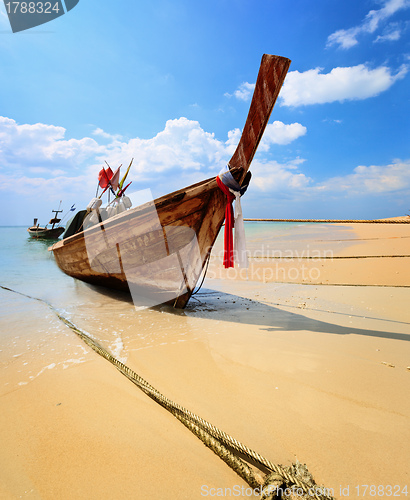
x=52, y=233
x=158, y=250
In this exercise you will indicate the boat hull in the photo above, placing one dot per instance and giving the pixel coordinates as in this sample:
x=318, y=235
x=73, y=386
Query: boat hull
x=156, y=251
x=44, y=233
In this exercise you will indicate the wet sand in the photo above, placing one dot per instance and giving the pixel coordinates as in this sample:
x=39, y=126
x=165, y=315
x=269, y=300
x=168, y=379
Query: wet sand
x=296, y=371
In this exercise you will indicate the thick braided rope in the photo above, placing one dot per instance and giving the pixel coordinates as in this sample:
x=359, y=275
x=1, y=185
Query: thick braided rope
x=336, y=221
x=333, y=257
x=191, y=420
x=234, y=462
x=175, y=407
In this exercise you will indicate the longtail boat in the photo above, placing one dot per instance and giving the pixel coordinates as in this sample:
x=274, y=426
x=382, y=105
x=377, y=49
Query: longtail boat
x=49, y=233
x=158, y=250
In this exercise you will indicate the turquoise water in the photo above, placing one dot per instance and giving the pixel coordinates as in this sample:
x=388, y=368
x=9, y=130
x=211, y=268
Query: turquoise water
x=29, y=330
x=32, y=338
x=292, y=238
x=24, y=261
x=291, y=231
x=28, y=266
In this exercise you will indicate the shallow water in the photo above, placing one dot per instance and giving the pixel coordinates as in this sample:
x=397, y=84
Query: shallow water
x=295, y=239
x=30, y=331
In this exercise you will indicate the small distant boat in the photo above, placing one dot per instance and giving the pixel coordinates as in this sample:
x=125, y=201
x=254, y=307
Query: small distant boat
x=49, y=233
x=159, y=249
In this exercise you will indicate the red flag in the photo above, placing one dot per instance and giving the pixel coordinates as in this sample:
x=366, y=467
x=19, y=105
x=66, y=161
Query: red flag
x=104, y=178
x=109, y=172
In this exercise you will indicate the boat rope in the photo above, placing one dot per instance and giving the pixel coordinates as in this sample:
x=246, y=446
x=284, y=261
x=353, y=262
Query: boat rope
x=331, y=257
x=208, y=258
x=294, y=478
x=336, y=221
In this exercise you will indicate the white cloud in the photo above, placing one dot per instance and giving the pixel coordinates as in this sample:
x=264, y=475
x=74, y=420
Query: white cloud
x=36, y=161
x=38, y=157
x=244, y=92
x=40, y=144
x=347, y=38
x=271, y=176
x=344, y=38
x=185, y=147
x=40, y=165
x=42, y=170
x=275, y=133
x=182, y=145
x=43, y=189
x=350, y=83
x=233, y=140
x=40, y=154
x=332, y=120
x=280, y=133
x=101, y=133
x=391, y=33
x=374, y=179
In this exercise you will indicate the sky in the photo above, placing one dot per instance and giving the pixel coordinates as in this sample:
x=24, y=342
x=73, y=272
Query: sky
x=169, y=84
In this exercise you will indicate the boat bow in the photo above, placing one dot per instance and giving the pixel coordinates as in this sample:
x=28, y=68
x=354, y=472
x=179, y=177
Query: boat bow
x=272, y=73
x=157, y=251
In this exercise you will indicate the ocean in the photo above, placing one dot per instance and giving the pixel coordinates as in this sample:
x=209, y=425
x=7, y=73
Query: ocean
x=27, y=266
x=30, y=331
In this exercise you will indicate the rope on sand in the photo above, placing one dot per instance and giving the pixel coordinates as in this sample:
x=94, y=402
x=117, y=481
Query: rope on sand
x=278, y=481
x=336, y=221
x=330, y=257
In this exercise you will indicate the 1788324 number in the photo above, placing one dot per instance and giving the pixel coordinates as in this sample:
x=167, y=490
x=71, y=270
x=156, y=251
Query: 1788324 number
x=32, y=7
x=381, y=490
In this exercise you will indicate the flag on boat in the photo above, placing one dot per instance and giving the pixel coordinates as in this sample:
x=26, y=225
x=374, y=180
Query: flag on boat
x=106, y=178
x=115, y=179
x=125, y=176
x=103, y=178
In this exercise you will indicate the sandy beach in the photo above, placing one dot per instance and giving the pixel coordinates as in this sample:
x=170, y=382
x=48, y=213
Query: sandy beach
x=305, y=358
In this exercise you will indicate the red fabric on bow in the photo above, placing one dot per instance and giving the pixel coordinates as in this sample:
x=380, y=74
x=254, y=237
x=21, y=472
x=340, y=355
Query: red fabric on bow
x=229, y=224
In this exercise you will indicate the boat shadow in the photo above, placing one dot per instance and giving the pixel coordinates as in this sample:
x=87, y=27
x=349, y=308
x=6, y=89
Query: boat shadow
x=222, y=306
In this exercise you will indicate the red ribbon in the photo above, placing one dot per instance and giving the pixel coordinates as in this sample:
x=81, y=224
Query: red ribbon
x=229, y=224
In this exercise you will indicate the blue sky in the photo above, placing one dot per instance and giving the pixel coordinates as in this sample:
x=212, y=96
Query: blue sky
x=169, y=83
